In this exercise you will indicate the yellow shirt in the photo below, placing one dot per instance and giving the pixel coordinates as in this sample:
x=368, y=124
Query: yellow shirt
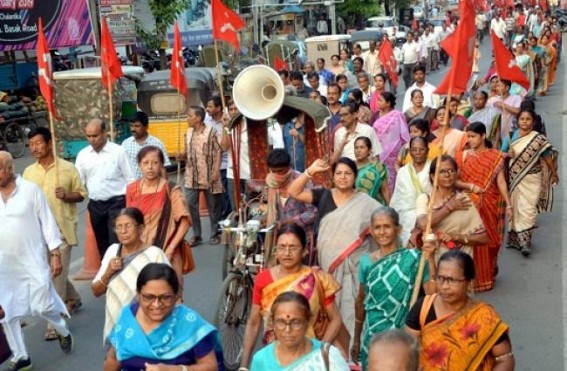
x=65, y=213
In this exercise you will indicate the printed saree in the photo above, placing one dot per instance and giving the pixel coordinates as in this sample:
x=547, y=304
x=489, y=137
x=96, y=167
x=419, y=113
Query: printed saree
x=462, y=340
x=427, y=114
x=370, y=178
x=481, y=169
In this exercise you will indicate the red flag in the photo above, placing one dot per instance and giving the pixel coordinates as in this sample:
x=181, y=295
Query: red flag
x=506, y=65
x=460, y=47
x=226, y=24
x=414, y=25
x=280, y=64
x=388, y=60
x=543, y=5
x=177, y=68
x=45, y=71
x=111, y=66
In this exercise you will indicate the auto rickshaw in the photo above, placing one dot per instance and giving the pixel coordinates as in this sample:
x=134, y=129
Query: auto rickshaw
x=167, y=111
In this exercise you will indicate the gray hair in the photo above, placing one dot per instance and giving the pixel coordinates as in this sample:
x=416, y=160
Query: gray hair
x=403, y=338
x=387, y=211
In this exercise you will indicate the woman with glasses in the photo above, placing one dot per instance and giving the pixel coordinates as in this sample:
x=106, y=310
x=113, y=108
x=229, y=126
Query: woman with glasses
x=121, y=265
x=166, y=215
x=291, y=275
x=155, y=333
x=458, y=332
x=294, y=349
x=387, y=278
x=454, y=219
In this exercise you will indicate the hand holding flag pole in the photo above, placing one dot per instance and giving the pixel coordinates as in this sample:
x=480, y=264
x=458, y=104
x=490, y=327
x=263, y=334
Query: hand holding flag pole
x=178, y=81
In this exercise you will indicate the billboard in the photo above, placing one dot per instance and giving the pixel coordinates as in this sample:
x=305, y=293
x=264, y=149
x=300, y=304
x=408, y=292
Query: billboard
x=120, y=18
x=66, y=23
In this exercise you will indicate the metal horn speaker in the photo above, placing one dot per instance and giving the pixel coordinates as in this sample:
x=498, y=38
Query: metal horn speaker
x=258, y=92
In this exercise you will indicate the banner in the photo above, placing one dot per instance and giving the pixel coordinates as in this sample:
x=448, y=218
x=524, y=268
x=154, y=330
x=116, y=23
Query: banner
x=66, y=23
x=121, y=22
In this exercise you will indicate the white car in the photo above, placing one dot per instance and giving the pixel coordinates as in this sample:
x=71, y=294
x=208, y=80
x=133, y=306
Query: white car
x=418, y=12
x=387, y=24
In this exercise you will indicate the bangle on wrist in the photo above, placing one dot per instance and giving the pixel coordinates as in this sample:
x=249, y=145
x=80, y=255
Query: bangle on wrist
x=183, y=368
x=306, y=172
x=102, y=282
x=356, y=320
x=448, y=208
x=243, y=369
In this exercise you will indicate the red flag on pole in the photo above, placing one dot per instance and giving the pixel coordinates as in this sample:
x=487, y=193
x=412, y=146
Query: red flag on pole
x=45, y=70
x=388, y=60
x=460, y=47
x=177, y=68
x=226, y=24
x=111, y=66
x=506, y=66
x=543, y=5
x=280, y=64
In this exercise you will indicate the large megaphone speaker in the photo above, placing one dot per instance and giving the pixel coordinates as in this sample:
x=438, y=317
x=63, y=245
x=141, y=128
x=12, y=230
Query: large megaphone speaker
x=258, y=92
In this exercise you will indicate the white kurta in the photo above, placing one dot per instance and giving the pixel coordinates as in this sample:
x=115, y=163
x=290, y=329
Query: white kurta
x=406, y=193
x=26, y=227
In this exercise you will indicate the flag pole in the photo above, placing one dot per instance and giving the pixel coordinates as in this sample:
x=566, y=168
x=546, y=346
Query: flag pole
x=178, y=129
x=54, y=149
x=111, y=119
x=219, y=76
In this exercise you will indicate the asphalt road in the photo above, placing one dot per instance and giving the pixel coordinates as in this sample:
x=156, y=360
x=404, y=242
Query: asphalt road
x=529, y=293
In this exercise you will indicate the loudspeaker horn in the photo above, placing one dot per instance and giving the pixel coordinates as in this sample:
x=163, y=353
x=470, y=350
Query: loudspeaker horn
x=258, y=92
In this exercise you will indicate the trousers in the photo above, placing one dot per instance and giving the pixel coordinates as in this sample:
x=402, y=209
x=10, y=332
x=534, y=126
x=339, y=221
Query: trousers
x=214, y=205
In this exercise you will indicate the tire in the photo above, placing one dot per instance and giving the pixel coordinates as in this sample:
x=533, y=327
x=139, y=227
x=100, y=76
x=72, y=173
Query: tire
x=15, y=139
x=231, y=316
x=228, y=258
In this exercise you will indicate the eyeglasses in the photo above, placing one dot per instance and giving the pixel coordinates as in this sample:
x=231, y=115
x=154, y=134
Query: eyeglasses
x=450, y=280
x=164, y=299
x=296, y=324
x=290, y=249
x=124, y=227
x=447, y=171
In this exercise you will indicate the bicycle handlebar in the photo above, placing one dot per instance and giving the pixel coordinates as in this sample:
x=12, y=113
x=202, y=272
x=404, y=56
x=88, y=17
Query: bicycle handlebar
x=243, y=229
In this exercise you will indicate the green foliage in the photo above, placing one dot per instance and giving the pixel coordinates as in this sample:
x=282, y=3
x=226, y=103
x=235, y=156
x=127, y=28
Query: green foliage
x=368, y=8
x=165, y=13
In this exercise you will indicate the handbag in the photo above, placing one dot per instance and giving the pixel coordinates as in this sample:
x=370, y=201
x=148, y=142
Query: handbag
x=188, y=263
x=342, y=340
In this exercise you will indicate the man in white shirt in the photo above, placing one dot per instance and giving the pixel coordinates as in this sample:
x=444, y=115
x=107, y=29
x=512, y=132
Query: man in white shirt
x=445, y=31
x=371, y=62
x=498, y=25
x=140, y=139
x=105, y=171
x=429, y=42
x=429, y=98
x=350, y=130
x=410, y=57
x=27, y=230
x=314, y=83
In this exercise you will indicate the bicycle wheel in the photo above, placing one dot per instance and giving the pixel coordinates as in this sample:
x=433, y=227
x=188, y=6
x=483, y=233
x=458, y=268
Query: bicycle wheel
x=15, y=139
x=231, y=315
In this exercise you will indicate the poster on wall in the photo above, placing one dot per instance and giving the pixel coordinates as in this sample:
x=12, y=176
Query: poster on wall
x=120, y=18
x=66, y=23
x=195, y=24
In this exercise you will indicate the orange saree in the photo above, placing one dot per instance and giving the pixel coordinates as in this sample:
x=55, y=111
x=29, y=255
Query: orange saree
x=481, y=169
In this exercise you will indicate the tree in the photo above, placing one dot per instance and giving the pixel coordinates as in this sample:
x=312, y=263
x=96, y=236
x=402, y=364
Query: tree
x=165, y=13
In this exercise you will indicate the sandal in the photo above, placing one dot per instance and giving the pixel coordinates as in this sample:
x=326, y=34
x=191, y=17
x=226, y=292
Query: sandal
x=73, y=306
x=196, y=240
x=50, y=335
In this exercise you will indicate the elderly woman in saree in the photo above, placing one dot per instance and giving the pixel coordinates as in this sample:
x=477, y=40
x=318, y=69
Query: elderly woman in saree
x=454, y=140
x=417, y=110
x=121, y=265
x=525, y=63
x=417, y=128
x=392, y=131
x=457, y=332
x=482, y=174
x=533, y=174
x=372, y=175
x=343, y=233
x=412, y=180
x=318, y=287
x=157, y=333
x=166, y=215
x=387, y=278
x=454, y=219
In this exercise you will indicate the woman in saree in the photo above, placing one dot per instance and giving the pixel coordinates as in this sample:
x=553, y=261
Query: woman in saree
x=543, y=84
x=372, y=177
x=168, y=335
x=345, y=61
x=318, y=287
x=532, y=174
x=336, y=68
x=457, y=332
x=454, y=219
x=418, y=128
x=166, y=215
x=412, y=180
x=379, y=88
x=343, y=233
x=294, y=349
x=121, y=265
x=392, y=131
x=482, y=173
x=387, y=278
x=454, y=140
x=524, y=61
x=417, y=110
x=363, y=113
x=456, y=120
